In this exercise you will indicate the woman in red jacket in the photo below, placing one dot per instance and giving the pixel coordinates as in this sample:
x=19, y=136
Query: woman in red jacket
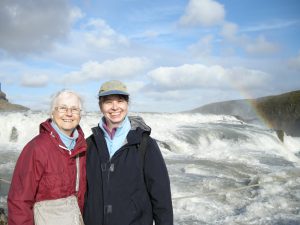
x=48, y=166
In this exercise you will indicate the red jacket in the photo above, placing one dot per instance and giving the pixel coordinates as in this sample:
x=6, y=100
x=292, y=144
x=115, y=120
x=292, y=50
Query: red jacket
x=45, y=170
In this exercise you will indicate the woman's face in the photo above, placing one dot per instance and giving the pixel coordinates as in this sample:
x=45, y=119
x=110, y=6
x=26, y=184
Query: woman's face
x=114, y=109
x=67, y=113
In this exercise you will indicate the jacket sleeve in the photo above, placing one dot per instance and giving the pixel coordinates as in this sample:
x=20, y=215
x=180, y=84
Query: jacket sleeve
x=158, y=184
x=21, y=196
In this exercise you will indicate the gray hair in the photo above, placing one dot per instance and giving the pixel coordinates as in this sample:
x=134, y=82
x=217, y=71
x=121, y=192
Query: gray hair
x=61, y=92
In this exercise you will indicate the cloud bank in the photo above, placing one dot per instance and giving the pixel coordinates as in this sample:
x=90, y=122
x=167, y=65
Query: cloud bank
x=33, y=26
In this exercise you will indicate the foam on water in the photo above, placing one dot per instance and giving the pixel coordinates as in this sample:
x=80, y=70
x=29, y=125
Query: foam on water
x=222, y=170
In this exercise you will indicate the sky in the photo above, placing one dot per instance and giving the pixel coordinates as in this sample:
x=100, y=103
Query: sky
x=173, y=55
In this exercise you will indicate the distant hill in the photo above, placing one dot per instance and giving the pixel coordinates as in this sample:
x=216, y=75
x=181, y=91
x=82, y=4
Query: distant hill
x=282, y=112
x=5, y=105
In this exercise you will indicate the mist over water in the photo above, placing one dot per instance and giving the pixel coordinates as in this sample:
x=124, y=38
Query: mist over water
x=222, y=170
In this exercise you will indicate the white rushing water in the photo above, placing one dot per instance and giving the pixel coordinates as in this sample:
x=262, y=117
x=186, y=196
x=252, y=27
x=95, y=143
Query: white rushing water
x=222, y=171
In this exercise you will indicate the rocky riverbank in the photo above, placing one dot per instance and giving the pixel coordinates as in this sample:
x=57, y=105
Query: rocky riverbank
x=279, y=112
x=5, y=105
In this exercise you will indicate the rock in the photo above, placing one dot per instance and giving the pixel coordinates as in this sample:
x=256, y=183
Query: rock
x=14, y=135
x=5, y=105
x=3, y=96
x=3, y=217
x=280, y=135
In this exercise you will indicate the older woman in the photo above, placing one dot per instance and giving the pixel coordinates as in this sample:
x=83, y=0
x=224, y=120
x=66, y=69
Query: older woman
x=51, y=167
x=125, y=186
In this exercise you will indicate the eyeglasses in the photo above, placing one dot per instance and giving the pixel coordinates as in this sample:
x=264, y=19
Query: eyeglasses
x=65, y=109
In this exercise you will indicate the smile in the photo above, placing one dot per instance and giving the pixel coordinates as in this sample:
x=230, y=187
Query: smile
x=68, y=121
x=115, y=114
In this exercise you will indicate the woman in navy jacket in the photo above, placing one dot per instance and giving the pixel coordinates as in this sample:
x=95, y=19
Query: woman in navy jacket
x=124, y=188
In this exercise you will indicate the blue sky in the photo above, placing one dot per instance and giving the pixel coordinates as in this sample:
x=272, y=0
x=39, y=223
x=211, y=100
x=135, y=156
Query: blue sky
x=173, y=55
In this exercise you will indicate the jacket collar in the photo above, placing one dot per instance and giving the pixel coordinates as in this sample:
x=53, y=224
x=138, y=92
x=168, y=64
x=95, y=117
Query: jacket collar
x=80, y=146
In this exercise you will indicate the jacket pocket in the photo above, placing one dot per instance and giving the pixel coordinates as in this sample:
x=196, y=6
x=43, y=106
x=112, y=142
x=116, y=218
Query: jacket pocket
x=51, y=181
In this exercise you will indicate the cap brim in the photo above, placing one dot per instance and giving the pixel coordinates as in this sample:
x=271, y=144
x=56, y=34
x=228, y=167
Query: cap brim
x=113, y=92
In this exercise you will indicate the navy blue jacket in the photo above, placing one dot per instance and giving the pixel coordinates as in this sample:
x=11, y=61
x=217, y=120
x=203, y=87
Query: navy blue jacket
x=119, y=190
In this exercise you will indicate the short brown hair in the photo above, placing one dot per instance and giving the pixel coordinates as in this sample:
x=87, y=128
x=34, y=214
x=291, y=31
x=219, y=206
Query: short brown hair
x=103, y=98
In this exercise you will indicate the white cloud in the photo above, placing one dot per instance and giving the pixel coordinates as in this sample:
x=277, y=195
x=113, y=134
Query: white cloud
x=76, y=14
x=243, y=78
x=203, y=47
x=295, y=62
x=258, y=46
x=195, y=76
x=149, y=34
x=91, y=40
x=135, y=86
x=187, y=76
x=33, y=26
x=203, y=13
x=229, y=31
x=261, y=46
x=100, y=35
x=271, y=26
x=117, y=68
x=30, y=80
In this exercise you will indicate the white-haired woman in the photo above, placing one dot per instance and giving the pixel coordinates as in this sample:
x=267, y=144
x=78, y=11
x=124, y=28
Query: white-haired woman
x=50, y=170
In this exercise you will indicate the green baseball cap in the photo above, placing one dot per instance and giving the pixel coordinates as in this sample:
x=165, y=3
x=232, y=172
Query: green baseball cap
x=113, y=87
